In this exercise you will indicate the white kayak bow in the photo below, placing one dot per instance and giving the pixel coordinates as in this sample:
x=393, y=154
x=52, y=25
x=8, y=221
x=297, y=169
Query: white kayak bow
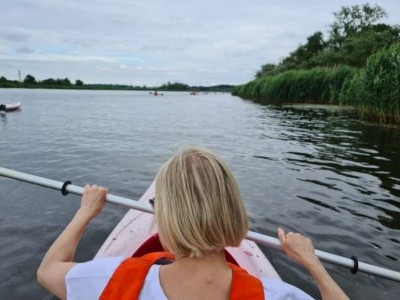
x=271, y=242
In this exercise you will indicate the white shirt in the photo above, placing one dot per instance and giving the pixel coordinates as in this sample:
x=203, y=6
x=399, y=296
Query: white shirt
x=87, y=281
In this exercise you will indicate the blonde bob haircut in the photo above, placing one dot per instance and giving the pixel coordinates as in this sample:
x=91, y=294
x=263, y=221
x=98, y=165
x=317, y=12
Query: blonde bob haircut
x=198, y=208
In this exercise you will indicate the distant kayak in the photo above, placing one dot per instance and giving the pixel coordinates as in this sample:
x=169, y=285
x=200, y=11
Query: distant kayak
x=10, y=107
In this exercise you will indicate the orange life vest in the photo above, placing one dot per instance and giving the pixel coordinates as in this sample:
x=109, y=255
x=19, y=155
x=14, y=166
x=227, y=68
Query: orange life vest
x=127, y=280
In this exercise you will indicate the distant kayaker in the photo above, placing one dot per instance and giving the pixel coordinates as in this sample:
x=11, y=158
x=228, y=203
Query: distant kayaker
x=198, y=212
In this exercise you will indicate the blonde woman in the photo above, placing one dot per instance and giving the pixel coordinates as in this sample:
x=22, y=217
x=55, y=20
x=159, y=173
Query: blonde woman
x=198, y=212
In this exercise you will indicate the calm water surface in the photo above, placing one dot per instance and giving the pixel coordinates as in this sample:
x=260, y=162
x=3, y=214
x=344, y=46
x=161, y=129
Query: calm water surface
x=315, y=171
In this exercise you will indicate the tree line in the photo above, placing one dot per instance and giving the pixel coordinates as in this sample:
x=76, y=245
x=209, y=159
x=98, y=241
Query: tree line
x=354, y=35
x=30, y=81
x=178, y=86
x=64, y=83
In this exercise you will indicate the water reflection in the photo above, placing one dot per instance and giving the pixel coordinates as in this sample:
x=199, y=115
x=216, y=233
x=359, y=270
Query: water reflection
x=319, y=203
x=357, y=159
x=3, y=118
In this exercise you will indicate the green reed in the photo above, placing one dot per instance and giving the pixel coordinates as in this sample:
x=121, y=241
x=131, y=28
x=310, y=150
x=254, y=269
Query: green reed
x=318, y=85
x=375, y=89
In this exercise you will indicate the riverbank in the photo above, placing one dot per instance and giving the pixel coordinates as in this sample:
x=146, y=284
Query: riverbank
x=373, y=90
x=327, y=107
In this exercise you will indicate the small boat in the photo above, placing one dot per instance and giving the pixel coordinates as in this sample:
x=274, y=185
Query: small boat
x=136, y=236
x=10, y=107
x=193, y=93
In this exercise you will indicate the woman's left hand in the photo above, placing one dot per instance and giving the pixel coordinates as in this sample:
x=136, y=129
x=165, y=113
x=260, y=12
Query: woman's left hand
x=93, y=200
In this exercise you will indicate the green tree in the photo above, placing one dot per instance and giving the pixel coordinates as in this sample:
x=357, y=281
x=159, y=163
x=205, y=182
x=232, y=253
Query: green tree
x=354, y=36
x=300, y=58
x=78, y=82
x=3, y=79
x=65, y=81
x=266, y=70
x=30, y=79
x=352, y=19
x=49, y=81
x=176, y=86
x=315, y=43
x=295, y=58
x=357, y=48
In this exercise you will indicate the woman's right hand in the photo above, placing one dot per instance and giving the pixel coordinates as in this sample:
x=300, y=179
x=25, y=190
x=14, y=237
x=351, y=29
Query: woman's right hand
x=93, y=200
x=297, y=247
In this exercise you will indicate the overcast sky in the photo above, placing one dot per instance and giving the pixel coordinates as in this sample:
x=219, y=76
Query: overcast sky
x=150, y=42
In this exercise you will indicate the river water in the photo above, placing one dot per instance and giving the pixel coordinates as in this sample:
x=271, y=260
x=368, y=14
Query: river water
x=315, y=171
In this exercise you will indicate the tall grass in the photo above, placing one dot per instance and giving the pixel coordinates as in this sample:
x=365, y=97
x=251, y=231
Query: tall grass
x=318, y=85
x=375, y=89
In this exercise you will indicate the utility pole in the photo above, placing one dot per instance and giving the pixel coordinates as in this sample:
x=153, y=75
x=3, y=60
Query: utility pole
x=19, y=75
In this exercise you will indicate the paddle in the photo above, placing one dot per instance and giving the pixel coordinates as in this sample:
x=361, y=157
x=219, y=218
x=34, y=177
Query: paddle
x=262, y=239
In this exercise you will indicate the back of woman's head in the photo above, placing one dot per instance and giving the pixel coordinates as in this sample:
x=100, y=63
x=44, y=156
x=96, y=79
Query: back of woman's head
x=198, y=207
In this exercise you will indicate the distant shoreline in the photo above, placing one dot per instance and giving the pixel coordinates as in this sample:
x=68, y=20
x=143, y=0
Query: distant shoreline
x=174, y=87
x=116, y=89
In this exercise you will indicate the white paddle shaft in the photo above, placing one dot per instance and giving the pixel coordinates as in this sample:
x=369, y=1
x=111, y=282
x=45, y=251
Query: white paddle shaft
x=259, y=238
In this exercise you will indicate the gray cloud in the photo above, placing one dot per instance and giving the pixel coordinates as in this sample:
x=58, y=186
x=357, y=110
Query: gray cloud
x=24, y=4
x=14, y=36
x=152, y=42
x=25, y=50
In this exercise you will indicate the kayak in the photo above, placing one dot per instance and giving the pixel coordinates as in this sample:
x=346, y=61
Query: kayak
x=10, y=107
x=136, y=235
